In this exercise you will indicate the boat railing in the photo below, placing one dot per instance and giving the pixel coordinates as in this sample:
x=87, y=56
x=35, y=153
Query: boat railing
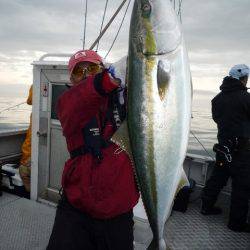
x=54, y=55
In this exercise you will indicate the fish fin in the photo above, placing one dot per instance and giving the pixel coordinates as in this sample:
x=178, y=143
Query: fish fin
x=183, y=182
x=163, y=77
x=121, y=138
x=160, y=245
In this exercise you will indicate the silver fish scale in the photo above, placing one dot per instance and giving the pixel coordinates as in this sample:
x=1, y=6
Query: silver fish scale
x=167, y=141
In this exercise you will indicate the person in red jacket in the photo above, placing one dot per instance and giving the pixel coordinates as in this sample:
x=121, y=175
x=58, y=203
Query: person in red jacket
x=99, y=189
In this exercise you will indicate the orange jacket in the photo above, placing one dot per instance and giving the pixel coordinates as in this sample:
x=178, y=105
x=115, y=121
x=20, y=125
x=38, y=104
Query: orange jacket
x=26, y=147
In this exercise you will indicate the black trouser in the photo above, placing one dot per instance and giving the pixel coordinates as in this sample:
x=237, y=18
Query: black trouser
x=74, y=230
x=214, y=185
x=239, y=170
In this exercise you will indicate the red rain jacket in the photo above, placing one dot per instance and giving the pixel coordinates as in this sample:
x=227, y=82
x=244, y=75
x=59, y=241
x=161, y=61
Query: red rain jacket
x=105, y=189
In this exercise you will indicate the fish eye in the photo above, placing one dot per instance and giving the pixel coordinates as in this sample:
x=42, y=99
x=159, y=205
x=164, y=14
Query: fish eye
x=146, y=10
x=146, y=7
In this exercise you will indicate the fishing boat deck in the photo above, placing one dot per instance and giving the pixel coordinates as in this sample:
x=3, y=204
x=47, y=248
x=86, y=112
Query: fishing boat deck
x=26, y=225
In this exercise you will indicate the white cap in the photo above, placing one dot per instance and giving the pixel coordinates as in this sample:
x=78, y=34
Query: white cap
x=239, y=70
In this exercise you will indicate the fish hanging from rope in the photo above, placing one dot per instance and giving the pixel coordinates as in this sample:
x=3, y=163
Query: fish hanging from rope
x=159, y=109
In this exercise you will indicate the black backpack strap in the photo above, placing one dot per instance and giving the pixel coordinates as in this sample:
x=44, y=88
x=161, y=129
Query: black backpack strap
x=77, y=152
x=92, y=132
x=93, y=141
x=116, y=111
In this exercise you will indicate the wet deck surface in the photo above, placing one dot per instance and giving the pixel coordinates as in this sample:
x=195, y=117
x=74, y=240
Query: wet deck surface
x=26, y=225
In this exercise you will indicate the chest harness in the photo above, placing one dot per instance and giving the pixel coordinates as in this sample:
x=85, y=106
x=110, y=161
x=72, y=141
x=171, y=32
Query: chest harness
x=93, y=132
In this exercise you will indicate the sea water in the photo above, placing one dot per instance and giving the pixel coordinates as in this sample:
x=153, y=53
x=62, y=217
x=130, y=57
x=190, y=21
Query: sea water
x=203, y=133
x=203, y=129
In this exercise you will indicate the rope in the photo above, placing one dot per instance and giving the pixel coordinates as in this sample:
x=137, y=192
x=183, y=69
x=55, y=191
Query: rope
x=11, y=107
x=118, y=30
x=103, y=18
x=108, y=24
x=85, y=24
x=179, y=11
x=177, y=8
x=202, y=146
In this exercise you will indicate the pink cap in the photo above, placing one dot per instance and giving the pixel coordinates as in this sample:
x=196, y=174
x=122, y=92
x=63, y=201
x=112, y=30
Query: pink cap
x=83, y=56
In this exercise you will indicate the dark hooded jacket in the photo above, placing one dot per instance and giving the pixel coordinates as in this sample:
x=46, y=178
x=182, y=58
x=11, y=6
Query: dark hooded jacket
x=231, y=110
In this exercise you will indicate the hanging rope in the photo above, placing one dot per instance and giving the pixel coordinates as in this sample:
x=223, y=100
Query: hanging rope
x=104, y=15
x=119, y=29
x=85, y=24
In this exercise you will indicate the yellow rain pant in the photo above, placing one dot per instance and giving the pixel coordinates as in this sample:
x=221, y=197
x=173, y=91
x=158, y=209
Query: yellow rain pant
x=25, y=162
x=24, y=172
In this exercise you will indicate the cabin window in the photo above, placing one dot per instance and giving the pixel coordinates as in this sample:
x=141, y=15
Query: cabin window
x=57, y=90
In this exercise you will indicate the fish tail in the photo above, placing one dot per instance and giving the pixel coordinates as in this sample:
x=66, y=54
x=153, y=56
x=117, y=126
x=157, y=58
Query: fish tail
x=158, y=245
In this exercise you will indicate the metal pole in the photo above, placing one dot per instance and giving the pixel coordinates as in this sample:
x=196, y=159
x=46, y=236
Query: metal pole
x=85, y=24
x=107, y=26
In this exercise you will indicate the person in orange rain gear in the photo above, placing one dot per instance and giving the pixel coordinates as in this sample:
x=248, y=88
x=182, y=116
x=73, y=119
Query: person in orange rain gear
x=25, y=162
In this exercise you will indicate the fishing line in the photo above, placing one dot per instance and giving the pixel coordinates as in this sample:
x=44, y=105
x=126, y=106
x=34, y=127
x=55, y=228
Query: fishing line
x=118, y=30
x=103, y=18
x=11, y=107
x=202, y=145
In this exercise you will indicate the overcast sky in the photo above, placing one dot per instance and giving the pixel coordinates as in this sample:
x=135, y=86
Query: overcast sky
x=216, y=32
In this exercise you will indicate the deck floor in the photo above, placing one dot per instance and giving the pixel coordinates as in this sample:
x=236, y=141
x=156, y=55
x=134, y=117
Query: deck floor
x=26, y=225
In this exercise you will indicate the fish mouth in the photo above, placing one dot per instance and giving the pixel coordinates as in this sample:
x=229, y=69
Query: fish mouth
x=163, y=53
x=158, y=52
x=155, y=48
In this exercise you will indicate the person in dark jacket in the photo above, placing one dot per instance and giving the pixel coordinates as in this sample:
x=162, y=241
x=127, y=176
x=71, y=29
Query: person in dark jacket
x=231, y=112
x=99, y=189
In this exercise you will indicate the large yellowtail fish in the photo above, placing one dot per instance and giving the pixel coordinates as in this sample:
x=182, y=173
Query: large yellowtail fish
x=159, y=107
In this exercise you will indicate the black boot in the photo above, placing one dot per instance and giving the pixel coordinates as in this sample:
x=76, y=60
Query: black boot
x=240, y=228
x=210, y=210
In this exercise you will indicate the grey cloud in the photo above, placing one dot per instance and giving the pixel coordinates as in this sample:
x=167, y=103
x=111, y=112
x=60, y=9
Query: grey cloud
x=53, y=26
x=217, y=36
x=217, y=24
x=216, y=32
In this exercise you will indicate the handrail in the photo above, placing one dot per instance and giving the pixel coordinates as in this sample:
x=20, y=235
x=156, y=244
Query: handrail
x=59, y=55
x=7, y=158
